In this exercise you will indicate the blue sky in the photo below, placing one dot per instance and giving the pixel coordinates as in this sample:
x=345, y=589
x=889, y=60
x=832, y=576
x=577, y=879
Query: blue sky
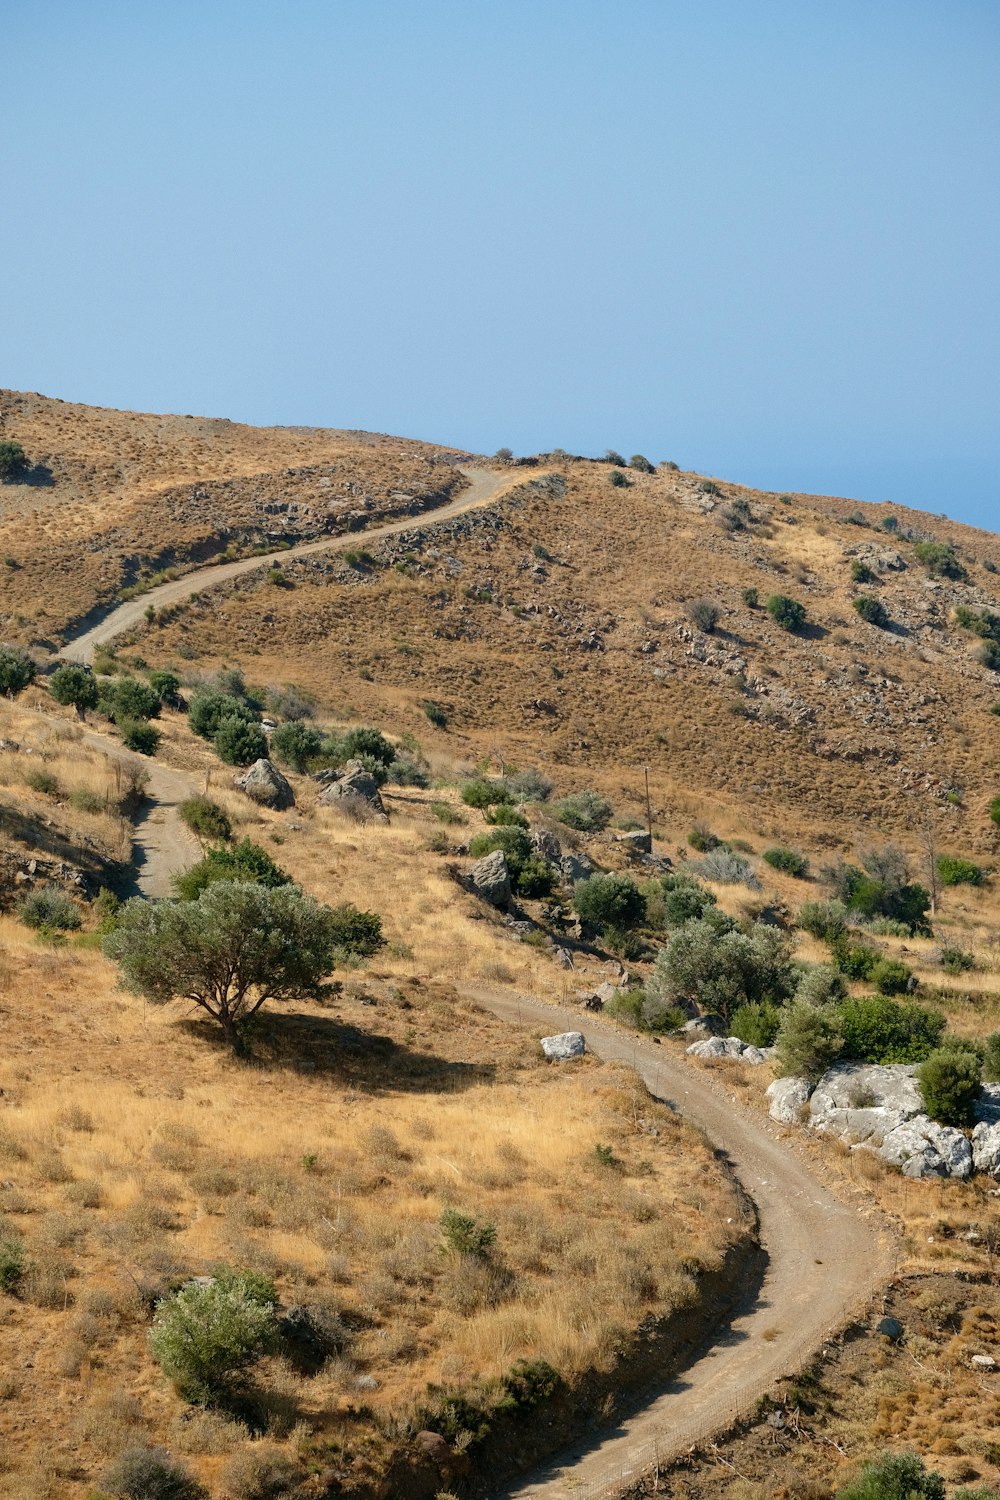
x=758, y=237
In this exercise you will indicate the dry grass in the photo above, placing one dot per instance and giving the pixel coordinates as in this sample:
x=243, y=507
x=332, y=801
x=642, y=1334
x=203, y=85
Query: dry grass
x=135, y=1151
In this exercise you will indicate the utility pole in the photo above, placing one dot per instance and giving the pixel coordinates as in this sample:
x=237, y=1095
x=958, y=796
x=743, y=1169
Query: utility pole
x=649, y=807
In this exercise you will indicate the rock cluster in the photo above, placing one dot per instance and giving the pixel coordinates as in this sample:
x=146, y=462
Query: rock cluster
x=353, y=789
x=728, y=1046
x=877, y=1107
x=264, y=784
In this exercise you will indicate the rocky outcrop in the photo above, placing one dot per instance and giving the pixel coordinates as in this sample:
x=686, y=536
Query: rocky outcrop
x=727, y=1046
x=546, y=846
x=264, y=784
x=561, y=1048
x=878, y=1108
x=576, y=867
x=489, y=879
x=789, y=1098
x=354, y=789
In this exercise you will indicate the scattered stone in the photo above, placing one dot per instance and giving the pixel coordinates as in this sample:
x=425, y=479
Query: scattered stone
x=576, y=867
x=264, y=784
x=561, y=1048
x=563, y=958
x=789, y=1100
x=489, y=879
x=727, y=1046
x=354, y=783
x=983, y=1362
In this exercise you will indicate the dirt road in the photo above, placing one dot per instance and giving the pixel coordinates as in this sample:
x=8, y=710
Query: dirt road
x=484, y=486
x=824, y=1261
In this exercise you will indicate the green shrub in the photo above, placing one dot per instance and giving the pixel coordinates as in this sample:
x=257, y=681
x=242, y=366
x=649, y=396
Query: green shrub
x=50, y=908
x=404, y=771
x=626, y=1006
x=941, y=560
x=954, y=871
x=142, y=1473
x=894, y=1476
x=788, y=613
x=957, y=960
x=702, y=839
x=125, y=699
x=891, y=976
x=855, y=960
x=991, y=1058
x=86, y=801
x=872, y=610
x=211, y=707
x=17, y=670
x=877, y=1029
x=995, y=811
x=43, y=781
x=861, y=572
x=505, y=816
x=13, y=461
x=604, y=901
x=949, y=1081
x=239, y=742
x=659, y=1015
x=528, y=785
x=791, y=861
x=258, y=1473
x=530, y=875
x=675, y=899
x=982, y=622
x=808, y=1041
x=587, y=811
x=484, y=793
x=464, y=1235
x=436, y=714
x=882, y=888
x=534, y=878
x=204, y=1335
x=74, y=687
x=244, y=861
x=139, y=736
x=167, y=687
x=756, y=1023
x=206, y=818
x=820, y=984
x=704, y=613
x=618, y=479
x=355, y=932
x=445, y=813
x=12, y=1262
x=295, y=744
x=750, y=597
x=361, y=743
x=722, y=972
x=641, y=464
x=988, y=655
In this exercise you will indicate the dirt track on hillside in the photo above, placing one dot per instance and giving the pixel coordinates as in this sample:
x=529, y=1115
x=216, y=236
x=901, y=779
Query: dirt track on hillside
x=825, y=1261
x=484, y=486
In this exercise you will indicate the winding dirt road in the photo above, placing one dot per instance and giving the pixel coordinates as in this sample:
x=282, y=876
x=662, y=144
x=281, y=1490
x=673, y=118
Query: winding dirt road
x=825, y=1259
x=484, y=486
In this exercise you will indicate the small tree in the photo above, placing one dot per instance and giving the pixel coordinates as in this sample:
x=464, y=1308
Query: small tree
x=13, y=461
x=210, y=707
x=949, y=1082
x=808, y=1041
x=894, y=1476
x=872, y=610
x=239, y=742
x=786, y=612
x=232, y=950
x=204, y=1335
x=17, y=670
x=295, y=744
x=483, y=793
x=73, y=685
x=613, y=901
x=167, y=687
x=127, y=698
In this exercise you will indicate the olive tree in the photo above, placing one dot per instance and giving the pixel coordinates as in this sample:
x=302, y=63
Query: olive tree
x=17, y=670
x=74, y=685
x=239, y=945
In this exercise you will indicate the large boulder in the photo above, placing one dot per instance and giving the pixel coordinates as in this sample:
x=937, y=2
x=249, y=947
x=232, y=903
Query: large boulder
x=789, y=1098
x=986, y=1148
x=921, y=1148
x=987, y=1106
x=636, y=841
x=264, y=784
x=576, y=867
x=726, y=1046
x=354, y=788
x=865, y=1101
x=546, y=846
x=489, y=879
x=561, y=1048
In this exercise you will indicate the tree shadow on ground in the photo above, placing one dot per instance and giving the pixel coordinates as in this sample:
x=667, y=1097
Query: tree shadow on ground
x=345, y=1054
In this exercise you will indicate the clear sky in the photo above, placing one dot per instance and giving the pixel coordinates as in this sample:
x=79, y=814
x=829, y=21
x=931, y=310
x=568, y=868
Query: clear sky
x=758, y=237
